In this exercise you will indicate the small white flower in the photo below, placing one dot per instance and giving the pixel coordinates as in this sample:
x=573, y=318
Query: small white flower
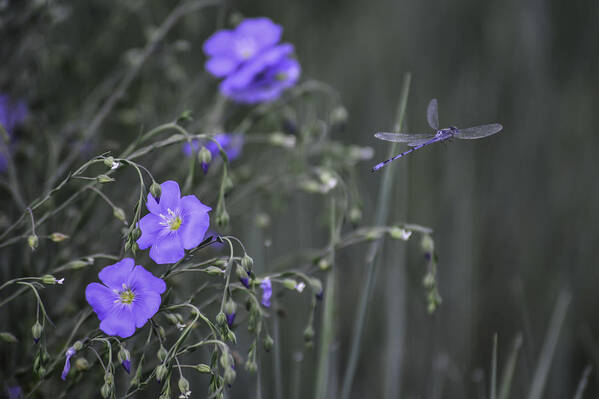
x=300, y=286
x=60, y=281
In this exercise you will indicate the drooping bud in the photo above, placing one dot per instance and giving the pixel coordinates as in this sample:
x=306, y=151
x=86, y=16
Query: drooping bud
x=162, y=353
x=251, y=366
x=230, y=375
x=231, y=337
x=155, y=189
x=109, y=378
x=119, y=214
x=8, y=337
x=203, y=368
x=125, y=358
x=104, y=179
x=81, y=364
x=227, y=184
x=339, y=117
x=324, y=264
x=355, y=215
x=222, y=218
x=205, y=157
x=105, y=391
x=289, y=283
x=136, y=233
x=36, y=331
x=58, y=237
x=109, y=162
x=400, y=234
x=247, y=262
x=427, y=244
x=33, y=241
x=184, y=387
x=221, y=319
x=214, y=271
x=268, y=343
x=309, y=334
x=243, y=276
x=49, y=279
x=161, y=372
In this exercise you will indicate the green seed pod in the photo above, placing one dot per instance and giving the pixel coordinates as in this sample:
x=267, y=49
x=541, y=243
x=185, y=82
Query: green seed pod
x=231, y=337
x=109, y=161
x=77, y=264
x=78, y=345
x=49, y=279
x=251, y=366
x=136, y=233
x=162, y=353
x=109, y=379
x=81, y=364
x=214, y=271
x=183, y=385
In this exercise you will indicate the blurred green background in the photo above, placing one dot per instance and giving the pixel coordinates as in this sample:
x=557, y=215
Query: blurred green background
x=515, y=215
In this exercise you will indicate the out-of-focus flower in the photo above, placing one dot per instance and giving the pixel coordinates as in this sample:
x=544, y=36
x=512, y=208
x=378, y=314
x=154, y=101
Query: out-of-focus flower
x=12, y=113
x=230, y=319
x=256, y=69
x=67, y=363
x=264, y=77
x=14, y=392
x=230, y=48
x=266, y=286
x=129, y=297
x=231, y=143
x=173, y=224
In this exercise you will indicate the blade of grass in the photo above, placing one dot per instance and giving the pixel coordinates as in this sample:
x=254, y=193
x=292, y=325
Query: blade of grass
x=493, y=393
x=327, y=333
x=582, y=384
x=544, y=362
x=510, y=367
x=380, y=219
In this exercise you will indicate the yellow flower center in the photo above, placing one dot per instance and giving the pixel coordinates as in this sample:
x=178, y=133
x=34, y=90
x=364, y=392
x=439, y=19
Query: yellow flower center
x=127, y=296
x=173, y=220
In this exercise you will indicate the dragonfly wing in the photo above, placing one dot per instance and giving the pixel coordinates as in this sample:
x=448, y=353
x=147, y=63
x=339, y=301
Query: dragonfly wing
x=478, y=132
x=401, y=137
x=425, y=140
x=432, y=115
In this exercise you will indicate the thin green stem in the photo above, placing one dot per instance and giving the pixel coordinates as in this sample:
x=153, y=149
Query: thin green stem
x=371, y=267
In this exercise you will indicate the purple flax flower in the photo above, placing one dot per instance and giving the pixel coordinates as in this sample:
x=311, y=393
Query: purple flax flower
x=126, y=365
x=14, y=392
x=245, y=281
x=228, y=49
x=67, y=363
x=129, y=297
x=266, y=286
x=230, y=319
x=11, y=115
x=173, y=224
x=231, y=144
x=264, y=77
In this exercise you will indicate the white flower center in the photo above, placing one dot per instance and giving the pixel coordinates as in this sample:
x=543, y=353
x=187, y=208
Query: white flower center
x=246, y=47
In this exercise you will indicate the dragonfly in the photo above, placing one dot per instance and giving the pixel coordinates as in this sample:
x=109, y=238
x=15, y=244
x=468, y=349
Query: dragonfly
x=417, y=141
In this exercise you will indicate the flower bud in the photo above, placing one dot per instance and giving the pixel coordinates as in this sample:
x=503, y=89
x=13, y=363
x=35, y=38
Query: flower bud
x=427, y=244
x=77, y=264
x=268, y=343
x=339, y=116
x=203, y=368
x=119, y=214
x=125, y=358
x=105, y=391
x=162, y=353
x=229, y=375
x=183, y=385
x=400, y=234
x=355, y=215
x=36, y=331
x=247, y=262
x=8, y=337
x=283, y=140
x=58, y=237
x=155, y=189
x=204, y=156
x=251, y=366
x=309, y=334
x=214, y=271
x=109, y=161
x=222, y=218
x=78, y=345
x=289, y=283
x=136, y=233
x=324, y=264
x=81, y=364
x=161, y=332
x=231, y=336
x=227, y=184
x=161, y=372
x=230, y=306
x=49, y=279
x=33, y=241
x=262, y=220
x=109, y=378
x=104, y=179
x=221, y=319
